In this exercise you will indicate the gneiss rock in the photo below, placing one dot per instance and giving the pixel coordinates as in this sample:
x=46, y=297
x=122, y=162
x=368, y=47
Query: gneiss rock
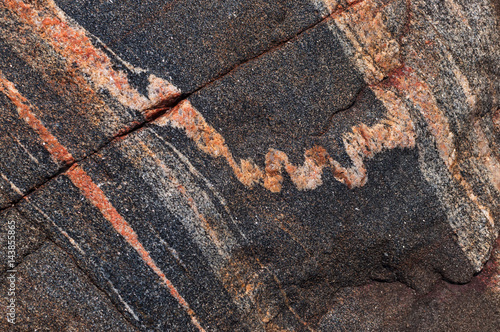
x=62, y=97
x=251, y=165
x=18, y=239
x=52, y=294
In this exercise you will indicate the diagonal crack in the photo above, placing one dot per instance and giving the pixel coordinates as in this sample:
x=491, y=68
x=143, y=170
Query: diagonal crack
x=273, y=48
x=343, y=109
x=155, y=114
x=162, y=107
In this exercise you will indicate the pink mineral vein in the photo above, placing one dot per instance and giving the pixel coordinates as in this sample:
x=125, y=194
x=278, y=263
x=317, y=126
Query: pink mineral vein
x=96, y=196
x=361, y=144
x=73, y=43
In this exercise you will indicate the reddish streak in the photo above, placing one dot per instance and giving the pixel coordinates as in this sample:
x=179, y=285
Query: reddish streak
x=71, y=42
x=56, y=149
x=97, y=197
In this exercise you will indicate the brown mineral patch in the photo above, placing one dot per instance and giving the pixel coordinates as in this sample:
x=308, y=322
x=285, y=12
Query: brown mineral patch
x=254, y=288
x=244, y=279
x=496, y=119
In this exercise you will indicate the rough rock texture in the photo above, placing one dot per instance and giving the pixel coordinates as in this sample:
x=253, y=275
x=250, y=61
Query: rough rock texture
x=53, y=295
x=253, y=165
x=26, y=239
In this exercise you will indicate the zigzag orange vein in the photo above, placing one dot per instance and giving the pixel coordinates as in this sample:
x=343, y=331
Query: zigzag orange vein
x=361, y=144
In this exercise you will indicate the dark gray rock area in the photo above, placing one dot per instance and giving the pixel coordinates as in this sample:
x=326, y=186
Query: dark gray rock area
x=233, y=165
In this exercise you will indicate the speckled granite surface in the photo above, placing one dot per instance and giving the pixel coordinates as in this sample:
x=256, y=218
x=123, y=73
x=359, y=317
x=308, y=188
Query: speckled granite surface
x=249, y=165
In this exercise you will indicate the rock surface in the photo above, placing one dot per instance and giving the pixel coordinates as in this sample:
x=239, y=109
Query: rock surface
x=250, y=165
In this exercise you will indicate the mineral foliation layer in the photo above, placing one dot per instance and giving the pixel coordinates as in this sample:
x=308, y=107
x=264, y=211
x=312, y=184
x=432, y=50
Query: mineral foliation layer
x=250, y=165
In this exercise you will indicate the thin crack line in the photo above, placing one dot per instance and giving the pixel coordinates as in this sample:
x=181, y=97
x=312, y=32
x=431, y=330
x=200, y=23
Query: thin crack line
x=25, y=256
x=273, y=48
x=159, y=112
x=168, y=104
x=353, y=102
x=91, y=280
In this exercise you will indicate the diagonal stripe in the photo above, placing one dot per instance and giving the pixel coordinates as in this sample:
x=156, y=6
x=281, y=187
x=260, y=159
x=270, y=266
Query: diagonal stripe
x=12, y=185
x=90, y=190
x=24, y=108
x=97, y=197
x=73, y=43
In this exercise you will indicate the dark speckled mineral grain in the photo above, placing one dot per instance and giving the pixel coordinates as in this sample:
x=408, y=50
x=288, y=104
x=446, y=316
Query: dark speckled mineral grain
x=185, y=165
